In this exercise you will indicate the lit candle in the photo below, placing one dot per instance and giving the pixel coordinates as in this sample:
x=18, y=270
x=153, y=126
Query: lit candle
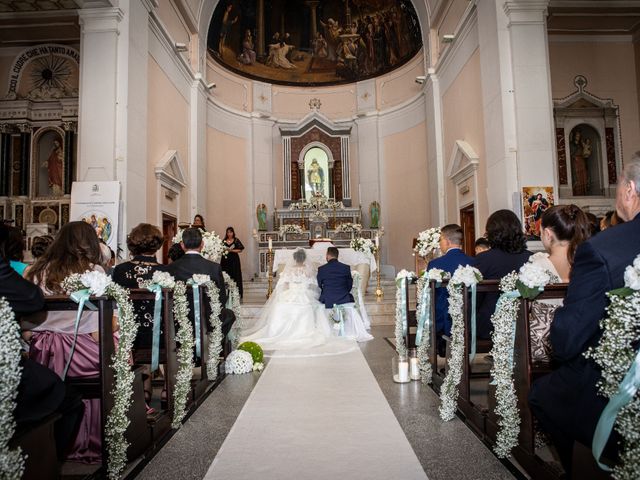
x=403, y=372
x=415, y=371
x=270, y=244
x=377, y=241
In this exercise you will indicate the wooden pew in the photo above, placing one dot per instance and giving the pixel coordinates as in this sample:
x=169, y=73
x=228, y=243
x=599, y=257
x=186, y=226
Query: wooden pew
x=38, y=444
x=102, y=386
x=410, y=338
x=438, y=376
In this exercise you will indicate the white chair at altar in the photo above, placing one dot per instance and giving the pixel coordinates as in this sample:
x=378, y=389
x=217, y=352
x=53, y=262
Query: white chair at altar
x=353, y=325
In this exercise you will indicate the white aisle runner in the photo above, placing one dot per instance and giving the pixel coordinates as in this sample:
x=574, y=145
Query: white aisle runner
x=316, y=418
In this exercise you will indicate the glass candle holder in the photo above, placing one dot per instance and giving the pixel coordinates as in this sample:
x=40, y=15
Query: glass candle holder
x=400, y=366
x=414, y=369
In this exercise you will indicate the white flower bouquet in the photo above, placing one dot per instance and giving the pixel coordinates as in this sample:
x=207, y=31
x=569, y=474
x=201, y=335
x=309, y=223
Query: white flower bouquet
x=466, y=275
x=164, y=279
x=437, y=275
x=428, y=242
x=405, y=274
x=364, y=245
x=213, y=248
x=349, y=227
x=289, y=228
x=239, y=362
x=318, y=216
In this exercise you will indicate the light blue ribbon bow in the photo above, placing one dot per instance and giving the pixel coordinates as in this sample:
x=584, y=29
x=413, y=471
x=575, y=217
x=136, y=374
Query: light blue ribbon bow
x=424, y=314
x=626, y=392
x=81, y=297
x=338, y=312
x=472, y=354
x=155, y=345
x=196, y=313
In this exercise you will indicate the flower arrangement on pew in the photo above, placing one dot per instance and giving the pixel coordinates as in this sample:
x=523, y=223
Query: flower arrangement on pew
x=98, y=284
x=428, y=242
x=364, y=245
x=423, y=317
x=464, y=276
x=618, y=356
x=349, y=227
x=402, y=277
x=233, y=303
x=289, y=228
x=215, y=334
x=247, y=358
x=213, y=248
x=12, y=462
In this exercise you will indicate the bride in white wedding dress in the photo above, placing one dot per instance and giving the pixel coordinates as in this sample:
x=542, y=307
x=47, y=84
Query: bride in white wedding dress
x=293, y=322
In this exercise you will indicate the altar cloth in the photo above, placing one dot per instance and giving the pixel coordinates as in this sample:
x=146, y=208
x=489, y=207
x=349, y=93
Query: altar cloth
x=317, y=255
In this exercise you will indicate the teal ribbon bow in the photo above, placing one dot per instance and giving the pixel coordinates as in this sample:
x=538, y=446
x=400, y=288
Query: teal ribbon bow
x=424, y=314
x=196, y=314
x=472, y=354
x=155, y=345
x=626, y=392
x=338, y=312
x=81, y=297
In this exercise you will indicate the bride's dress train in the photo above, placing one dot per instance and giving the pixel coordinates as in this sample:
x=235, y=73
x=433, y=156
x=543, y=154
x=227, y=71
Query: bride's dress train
x=293, y=322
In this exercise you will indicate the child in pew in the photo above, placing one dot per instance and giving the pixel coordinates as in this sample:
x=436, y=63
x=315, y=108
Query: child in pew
x=75, y=249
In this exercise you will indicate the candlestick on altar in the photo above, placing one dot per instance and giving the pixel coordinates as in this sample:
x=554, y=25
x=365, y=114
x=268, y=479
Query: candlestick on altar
x=270, y=268
x=302, y=214
x=335, y=224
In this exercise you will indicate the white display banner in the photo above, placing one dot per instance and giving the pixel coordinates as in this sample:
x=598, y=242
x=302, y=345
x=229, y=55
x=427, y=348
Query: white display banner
x=97, y=203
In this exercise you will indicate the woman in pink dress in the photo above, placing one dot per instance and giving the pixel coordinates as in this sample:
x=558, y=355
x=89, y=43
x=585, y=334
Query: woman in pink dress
x=75, y=250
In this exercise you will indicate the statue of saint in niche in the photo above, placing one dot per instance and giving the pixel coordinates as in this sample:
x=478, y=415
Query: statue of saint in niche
x=315, y=177
x=585, y=160
x=51, y=174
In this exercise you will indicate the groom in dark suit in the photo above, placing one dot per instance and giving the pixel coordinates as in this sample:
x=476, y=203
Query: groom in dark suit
x=567, y=402
x=334, y=280
x=192, y=262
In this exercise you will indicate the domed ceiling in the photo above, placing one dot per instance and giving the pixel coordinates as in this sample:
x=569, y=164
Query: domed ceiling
x=313, y=42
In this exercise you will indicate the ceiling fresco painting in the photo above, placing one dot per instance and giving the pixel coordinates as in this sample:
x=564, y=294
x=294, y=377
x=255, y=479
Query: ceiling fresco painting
x=313, y=42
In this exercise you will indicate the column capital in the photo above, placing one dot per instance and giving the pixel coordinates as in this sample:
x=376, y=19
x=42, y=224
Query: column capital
x=24, y=127
x=526, y=12
x=100, y=20
x=6, y=128
x=69, y=126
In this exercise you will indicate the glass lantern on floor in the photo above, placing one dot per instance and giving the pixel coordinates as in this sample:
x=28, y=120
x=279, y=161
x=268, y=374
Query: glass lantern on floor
x=414, y=369
x=400, y=365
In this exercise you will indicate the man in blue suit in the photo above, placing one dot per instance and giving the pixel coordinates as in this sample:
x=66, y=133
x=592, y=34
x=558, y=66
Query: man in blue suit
x=451, y=246
x=334, y=280
x=566, y=401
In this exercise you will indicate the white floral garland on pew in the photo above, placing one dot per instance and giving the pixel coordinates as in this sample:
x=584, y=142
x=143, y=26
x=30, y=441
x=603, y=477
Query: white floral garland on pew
x=401, y=310
x=615, y=354
x=184, y=336
x=215, y=335
x=12, y=462
x=233, y=303
x=528, y=283
x=469, y=276
x=117, y=422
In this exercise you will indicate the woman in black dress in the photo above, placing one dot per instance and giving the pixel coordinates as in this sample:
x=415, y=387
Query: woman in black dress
x=143, y=243
x=231, y=263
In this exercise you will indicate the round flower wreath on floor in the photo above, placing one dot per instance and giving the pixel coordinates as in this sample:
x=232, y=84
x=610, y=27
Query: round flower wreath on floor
x=618, y=356
x=99, y=284
x=463, y=276
x=12, y=462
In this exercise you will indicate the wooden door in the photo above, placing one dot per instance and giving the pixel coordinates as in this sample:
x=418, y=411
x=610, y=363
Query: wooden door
x=468, y=224
x=169, y=230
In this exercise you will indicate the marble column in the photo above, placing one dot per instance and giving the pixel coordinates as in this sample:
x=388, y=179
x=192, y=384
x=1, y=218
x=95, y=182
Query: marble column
x=69, y=156
x=5, y=160
x=260, y=28
x=25, y=158
x=313, y=6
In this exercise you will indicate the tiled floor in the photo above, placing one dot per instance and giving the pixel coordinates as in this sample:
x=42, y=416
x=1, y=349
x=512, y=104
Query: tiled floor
x=445, y=450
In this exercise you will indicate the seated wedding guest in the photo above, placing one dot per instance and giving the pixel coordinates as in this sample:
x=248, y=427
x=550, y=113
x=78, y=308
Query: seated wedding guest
x=198, y=222
x=75, y=249
x=566, y=401
x=143, y=242
x=40, y=392
x=39, y=245
x=482, y=245
x=594, y=223
x=451, y=237
x=175, y=252
x=563, y=229
x=231, y=263
x=13, y=249
x=193, y=262
x=106, y=256
x=508, y=253
x=611, y=219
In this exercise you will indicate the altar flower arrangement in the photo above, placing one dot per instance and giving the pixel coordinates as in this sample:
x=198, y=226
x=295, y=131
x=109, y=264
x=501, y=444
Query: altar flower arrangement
x=239, y=362
x=289, y=228
x=617, y=355
x=364, y=245
x=349, y=227
x=428, y=242
x=98, y=284
x=318, y=216
x=213, y=248
x=463, y=276
x=12, y=462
